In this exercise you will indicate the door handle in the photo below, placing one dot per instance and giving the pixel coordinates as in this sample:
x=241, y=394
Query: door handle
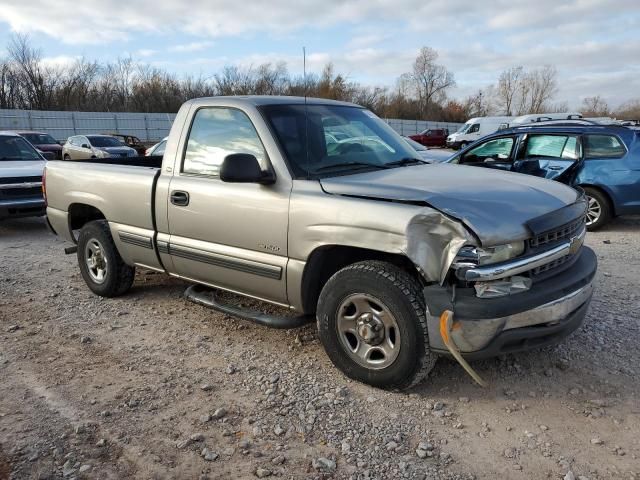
x=555, y=167
x=179, y=198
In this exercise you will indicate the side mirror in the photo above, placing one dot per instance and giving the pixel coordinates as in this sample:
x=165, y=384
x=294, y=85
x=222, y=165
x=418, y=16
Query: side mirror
x=243, y=168
x=84, y=145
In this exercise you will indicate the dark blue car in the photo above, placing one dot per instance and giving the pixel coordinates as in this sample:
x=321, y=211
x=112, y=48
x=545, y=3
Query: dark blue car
x=603, y=160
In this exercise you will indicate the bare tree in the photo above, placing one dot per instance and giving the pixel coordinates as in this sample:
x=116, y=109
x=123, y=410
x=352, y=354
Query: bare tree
x=542, y=88
x=595, y=107
x=431, y=79
x=508, y=89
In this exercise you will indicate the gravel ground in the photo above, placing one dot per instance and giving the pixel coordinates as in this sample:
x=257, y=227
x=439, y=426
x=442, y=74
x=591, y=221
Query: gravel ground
x=151, y=386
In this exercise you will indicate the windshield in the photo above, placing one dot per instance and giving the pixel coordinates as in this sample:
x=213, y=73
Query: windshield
x=464, y=128
x=17, y=148
x=415, y=145
x=335, y=139
x=105, y=142
x=39, y=138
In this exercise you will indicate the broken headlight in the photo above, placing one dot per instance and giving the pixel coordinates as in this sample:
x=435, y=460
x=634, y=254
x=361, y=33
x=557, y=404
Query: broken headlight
x=477, y=256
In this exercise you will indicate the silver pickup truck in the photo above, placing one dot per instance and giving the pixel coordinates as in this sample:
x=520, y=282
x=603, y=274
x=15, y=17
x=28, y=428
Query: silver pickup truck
x=21, y=167
x=319, y=207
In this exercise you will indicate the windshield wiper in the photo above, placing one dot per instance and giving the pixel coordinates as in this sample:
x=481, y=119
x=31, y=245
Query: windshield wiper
x=335, y=166
x=406, y=161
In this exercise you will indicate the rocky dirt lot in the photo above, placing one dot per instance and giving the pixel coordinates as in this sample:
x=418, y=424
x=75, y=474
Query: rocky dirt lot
x=150, y=386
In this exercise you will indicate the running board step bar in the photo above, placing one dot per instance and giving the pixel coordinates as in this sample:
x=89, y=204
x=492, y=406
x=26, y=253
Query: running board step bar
x=207, y=297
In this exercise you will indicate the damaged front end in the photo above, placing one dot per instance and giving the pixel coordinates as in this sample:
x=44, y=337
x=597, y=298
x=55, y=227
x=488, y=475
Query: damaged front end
x=508, y=297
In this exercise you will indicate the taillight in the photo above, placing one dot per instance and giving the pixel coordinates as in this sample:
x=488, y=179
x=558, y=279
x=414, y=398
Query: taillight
x=44, y=186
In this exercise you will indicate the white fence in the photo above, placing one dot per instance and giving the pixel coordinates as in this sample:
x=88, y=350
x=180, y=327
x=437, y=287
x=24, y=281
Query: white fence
x=61, y=125
x=411, y=127
x=148, y=127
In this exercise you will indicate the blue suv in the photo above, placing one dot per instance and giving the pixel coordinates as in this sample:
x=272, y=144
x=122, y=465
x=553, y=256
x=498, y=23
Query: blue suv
x=604, y=160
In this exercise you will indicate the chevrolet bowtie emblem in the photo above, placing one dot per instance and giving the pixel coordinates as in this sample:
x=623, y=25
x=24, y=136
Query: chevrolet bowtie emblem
x=576, y=243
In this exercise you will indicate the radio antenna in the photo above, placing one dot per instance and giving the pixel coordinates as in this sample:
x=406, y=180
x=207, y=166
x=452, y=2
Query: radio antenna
x=306, y=113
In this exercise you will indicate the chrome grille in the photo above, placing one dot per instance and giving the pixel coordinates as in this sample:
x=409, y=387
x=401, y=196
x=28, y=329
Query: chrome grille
x=565, y=232
x=551, y=265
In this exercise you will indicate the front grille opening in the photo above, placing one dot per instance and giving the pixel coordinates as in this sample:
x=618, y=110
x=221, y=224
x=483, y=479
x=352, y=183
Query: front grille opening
x=565, y=232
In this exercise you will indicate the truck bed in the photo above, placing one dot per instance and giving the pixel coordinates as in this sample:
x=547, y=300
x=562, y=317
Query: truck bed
x=121, y=189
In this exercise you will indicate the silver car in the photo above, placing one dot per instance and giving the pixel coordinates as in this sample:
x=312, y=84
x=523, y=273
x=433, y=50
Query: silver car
x=83, y=147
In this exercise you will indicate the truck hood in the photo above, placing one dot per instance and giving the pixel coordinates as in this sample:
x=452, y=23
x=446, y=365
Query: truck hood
x=494, y=205
x=21, y=168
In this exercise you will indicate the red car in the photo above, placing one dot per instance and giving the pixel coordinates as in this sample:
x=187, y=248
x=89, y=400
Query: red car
x=44, y=143
x=432, y=137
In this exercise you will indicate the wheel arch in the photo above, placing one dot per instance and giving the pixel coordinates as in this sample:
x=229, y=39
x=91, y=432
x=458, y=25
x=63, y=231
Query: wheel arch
x=605, y=191
x=326, y=260
x=79, y=214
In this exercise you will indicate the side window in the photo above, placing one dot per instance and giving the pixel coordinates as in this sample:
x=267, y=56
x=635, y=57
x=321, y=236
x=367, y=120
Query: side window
x=551, y=146
x=474, y=128
x=603, y=146
x=215, y=133
x=498, y=149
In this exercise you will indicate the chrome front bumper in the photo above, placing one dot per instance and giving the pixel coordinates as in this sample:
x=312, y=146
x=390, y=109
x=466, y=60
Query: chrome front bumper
x=525, y=264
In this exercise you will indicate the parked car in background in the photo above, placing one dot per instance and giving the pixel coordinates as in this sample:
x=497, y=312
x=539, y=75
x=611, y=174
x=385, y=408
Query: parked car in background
x=358, y=235
x=81, y=147
x=130, y=141
x=604, y=160
x=432, y=137
x=44, y=143
x=157, y=149
x=474, y=129
x=21, y=168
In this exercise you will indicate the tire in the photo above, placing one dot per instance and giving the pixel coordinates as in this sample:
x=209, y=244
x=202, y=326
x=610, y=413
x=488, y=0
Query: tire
x=379, y=286
x=599, y=211
x=463, y=145
x=109, y=276
x=66, y=157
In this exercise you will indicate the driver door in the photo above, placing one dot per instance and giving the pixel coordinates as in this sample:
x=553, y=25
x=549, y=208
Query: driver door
x=495, y=153
x=547, y=155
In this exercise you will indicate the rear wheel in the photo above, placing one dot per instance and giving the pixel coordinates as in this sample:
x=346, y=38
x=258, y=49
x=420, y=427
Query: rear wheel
x=599, y=210
x=101, y=266
x=371, y=322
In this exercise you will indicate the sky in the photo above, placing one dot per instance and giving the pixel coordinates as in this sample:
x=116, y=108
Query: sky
x=594, y=44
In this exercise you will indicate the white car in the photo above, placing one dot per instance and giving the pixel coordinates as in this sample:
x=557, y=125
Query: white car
x=157, y=149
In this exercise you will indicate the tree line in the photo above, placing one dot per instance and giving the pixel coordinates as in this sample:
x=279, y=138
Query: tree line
x=27, y=81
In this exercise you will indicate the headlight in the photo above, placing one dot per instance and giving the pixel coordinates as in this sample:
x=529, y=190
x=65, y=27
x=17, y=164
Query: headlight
x=488, y=255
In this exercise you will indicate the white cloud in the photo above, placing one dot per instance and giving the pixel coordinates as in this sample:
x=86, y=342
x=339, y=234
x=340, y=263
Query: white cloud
x=146, y=52
x=191, y=47
x=591, y=42
x=59, y=60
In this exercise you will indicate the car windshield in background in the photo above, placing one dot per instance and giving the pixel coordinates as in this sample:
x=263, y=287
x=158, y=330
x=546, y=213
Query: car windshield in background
x=39, y=138
x=322, y=140
x=17, y=148
x=105, y=141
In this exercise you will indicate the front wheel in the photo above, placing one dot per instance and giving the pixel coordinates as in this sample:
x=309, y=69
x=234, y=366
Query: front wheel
x=371, y=322
x=101, y=265
x=598, y=209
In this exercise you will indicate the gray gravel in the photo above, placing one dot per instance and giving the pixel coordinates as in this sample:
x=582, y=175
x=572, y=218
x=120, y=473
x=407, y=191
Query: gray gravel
x=150, y=386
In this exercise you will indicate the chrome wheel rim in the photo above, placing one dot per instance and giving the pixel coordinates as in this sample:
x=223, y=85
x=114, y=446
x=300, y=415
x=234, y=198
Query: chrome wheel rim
x=368, y=331
x=594, y=210
x=95, y=260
